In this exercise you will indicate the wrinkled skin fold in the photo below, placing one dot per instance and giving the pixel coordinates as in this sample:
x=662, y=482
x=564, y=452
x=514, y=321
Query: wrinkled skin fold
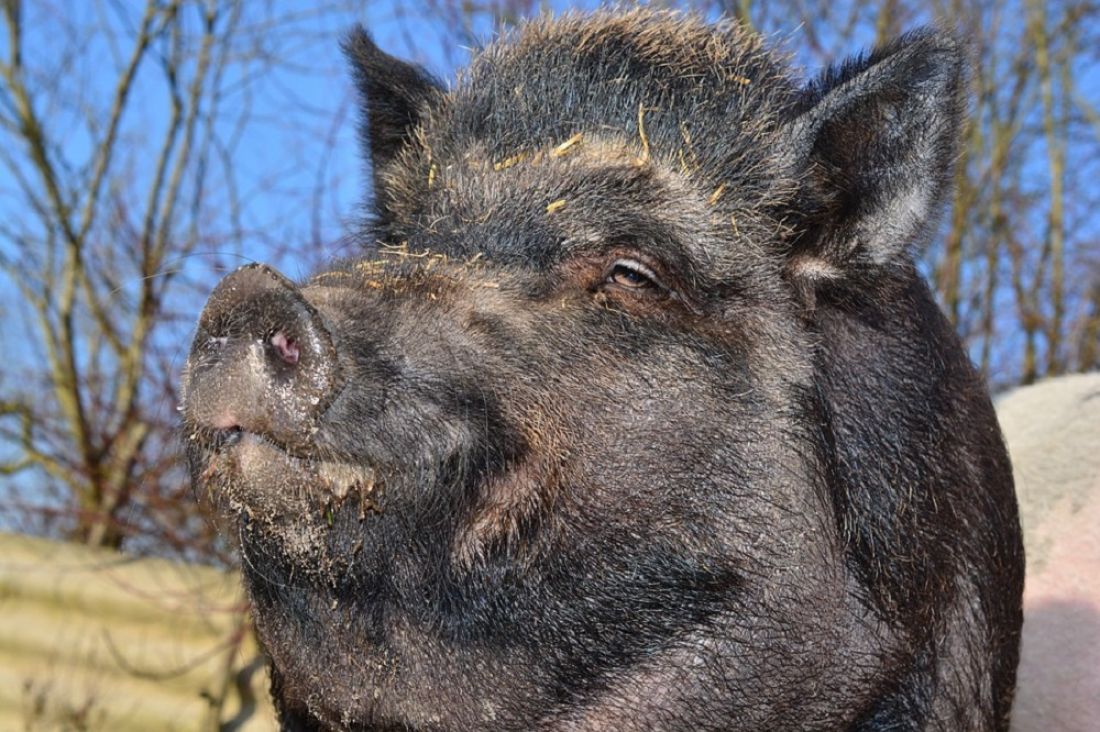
x=635, y=413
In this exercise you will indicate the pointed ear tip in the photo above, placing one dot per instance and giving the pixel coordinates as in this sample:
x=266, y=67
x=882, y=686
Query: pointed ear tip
x=359, y=43
x=936, y=36
x=941, y=42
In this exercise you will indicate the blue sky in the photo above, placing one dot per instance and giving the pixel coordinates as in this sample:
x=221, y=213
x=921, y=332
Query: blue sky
x=294, y=165
x=290, y=161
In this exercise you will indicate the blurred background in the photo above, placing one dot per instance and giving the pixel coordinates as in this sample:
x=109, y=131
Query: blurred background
x=146, y=148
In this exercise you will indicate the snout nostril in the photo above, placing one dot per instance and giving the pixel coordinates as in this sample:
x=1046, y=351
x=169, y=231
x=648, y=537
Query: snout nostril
x=286, y=347
x=227, y=437
x=263, y=361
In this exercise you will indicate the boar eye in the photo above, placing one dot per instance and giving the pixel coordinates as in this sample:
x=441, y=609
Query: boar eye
x=632, y=275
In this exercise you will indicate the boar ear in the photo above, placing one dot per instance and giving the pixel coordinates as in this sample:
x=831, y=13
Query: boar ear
x=395, y=94
x=877, y=138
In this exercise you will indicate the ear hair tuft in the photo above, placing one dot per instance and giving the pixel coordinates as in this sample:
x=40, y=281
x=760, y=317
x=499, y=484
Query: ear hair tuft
x=877, y=138
x=395, y=95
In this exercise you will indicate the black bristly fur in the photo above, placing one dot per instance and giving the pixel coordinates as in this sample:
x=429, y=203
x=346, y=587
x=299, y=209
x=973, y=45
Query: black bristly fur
x=640, y=415
x=395, y=95
x=878, y=135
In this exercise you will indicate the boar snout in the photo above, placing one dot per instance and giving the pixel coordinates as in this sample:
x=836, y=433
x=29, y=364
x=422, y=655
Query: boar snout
x=262, y=361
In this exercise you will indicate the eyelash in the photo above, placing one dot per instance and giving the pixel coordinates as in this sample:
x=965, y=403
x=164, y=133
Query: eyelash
x=630, y=274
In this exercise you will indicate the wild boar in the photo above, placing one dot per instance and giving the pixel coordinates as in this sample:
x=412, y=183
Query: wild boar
x=635, y=412
x=1053, y=435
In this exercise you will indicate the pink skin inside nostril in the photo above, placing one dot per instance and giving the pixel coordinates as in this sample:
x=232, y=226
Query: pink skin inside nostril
x=287, y=348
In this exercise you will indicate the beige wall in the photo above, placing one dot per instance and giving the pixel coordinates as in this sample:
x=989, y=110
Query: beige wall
x=93, y=640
